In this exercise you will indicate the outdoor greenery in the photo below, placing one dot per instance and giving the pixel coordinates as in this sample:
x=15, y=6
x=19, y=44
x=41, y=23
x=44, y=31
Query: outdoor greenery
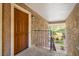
x=58, y=33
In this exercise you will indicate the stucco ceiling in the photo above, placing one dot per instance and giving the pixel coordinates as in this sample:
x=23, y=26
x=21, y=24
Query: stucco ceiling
x=52, y=11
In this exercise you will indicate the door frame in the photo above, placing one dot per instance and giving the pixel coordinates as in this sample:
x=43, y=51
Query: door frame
x=12, y=26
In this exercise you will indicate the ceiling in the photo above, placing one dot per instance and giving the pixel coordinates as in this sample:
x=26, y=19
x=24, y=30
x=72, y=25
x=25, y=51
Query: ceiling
x=52, y=11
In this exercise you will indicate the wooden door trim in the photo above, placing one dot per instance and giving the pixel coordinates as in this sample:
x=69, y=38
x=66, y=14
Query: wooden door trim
x=12, y=26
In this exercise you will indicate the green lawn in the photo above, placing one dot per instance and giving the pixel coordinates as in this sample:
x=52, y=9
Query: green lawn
x=59, y=42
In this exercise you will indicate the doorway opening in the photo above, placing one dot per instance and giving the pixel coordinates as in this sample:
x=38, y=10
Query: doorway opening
x=58, y=35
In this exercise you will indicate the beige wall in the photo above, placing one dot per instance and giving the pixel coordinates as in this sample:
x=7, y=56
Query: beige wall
x=0, y=29
x=72, y=26
x=39, y=32
x=6, y=28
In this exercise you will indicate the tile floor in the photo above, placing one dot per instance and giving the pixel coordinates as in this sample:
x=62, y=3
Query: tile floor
x=36, y=51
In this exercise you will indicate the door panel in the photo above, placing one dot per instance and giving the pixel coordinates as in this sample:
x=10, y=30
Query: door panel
x=20, y=31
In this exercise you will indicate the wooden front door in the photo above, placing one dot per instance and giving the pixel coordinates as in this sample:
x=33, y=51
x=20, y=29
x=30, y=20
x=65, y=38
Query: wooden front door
x=20, y=31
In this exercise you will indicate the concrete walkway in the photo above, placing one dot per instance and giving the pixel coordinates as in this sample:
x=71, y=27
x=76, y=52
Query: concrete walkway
x=34, y=51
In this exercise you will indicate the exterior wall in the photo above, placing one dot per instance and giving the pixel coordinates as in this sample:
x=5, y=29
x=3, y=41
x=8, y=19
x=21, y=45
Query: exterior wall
x=39, y=32
x=72, y=26
x=0, y=29
x=6, y=40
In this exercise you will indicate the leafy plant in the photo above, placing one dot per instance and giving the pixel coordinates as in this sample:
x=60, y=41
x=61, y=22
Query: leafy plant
x=62, y=47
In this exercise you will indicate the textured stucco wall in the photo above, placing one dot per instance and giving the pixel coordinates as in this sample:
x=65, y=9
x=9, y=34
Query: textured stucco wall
x=6, y=29
x=72, y=28
x=0, y=29
x=39, y=32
